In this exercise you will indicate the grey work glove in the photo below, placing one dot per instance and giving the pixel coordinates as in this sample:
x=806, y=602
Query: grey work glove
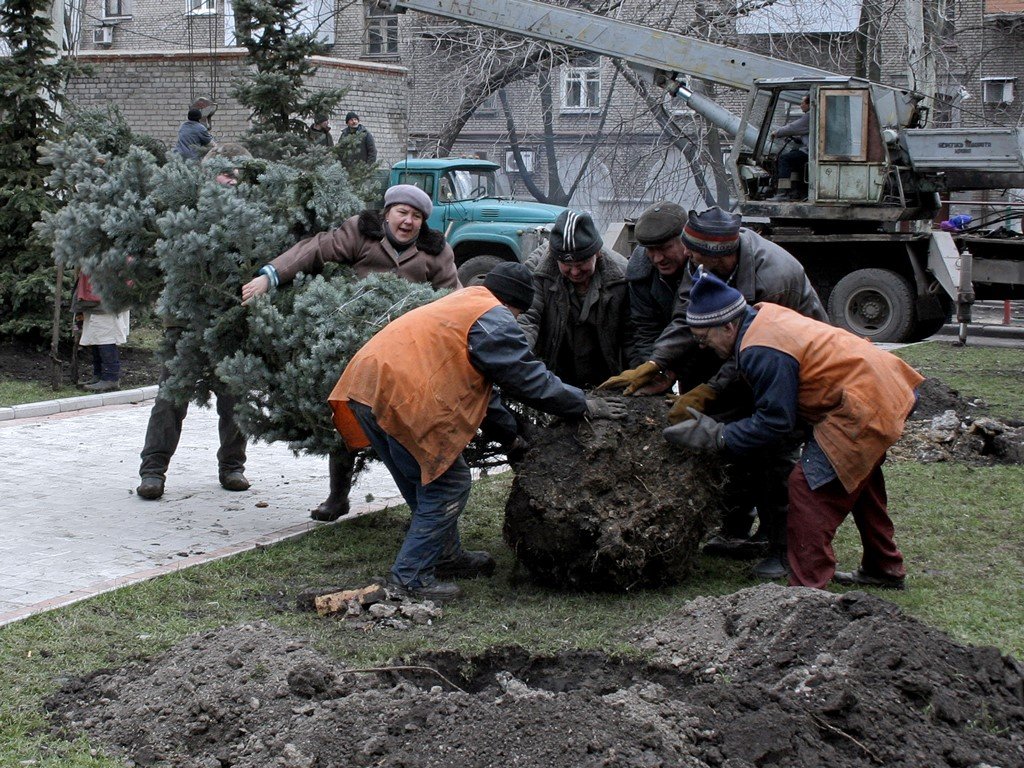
x=604, y=408
x=701, y=434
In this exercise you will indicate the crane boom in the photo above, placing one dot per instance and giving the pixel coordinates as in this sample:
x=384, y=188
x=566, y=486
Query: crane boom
x=645, y=49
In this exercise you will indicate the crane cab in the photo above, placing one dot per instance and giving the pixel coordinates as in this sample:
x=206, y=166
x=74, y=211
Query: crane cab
x=848, y=158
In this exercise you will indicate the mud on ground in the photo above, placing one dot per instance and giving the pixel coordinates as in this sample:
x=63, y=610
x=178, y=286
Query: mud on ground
x=26, y=362
x=946, y=426
x=769, y=676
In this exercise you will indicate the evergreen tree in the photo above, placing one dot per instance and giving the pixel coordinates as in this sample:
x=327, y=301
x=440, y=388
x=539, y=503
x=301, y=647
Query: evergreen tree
x=32, y=78
x=298, y=344
x=280, y=53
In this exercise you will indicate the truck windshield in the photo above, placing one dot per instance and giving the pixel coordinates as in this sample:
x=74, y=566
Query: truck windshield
x=466, y=185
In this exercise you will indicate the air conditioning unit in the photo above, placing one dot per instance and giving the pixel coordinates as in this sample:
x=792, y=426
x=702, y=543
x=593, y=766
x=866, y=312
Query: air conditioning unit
x=103, y=35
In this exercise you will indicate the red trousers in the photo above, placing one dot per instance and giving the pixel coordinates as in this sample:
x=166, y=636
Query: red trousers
x=815, y=516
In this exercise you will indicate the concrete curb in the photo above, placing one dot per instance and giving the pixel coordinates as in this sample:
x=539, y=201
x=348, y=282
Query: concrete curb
x=68, y=404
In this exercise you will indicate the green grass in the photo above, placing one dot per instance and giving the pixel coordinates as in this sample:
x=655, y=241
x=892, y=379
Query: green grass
x=992, y=373
x=961, y=529
x=18, y=392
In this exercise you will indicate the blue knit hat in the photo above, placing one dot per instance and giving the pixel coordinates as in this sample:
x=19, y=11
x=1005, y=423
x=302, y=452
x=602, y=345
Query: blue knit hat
x=712, y=302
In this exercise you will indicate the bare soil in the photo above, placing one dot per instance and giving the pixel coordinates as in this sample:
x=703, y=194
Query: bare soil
x=610, y=504
x=769, y=676
x=26, y=362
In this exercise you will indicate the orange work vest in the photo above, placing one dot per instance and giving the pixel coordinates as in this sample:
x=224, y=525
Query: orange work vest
x=416, y=377
x=856, y=396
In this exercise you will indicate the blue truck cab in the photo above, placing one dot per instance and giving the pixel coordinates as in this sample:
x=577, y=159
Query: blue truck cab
x=482, y=227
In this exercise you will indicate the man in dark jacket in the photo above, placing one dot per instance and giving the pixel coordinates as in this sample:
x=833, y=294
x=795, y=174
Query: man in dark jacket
x=579, y=322
x=397, y=240
x=655, y=270
x=360, y=138
x=762, y=272
x=192, y=135
x=853, y=400
x=419, y=390
x=320, y=131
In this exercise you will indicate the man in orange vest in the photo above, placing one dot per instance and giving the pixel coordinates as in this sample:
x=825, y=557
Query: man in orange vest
x=419, y=390
x=853, y=398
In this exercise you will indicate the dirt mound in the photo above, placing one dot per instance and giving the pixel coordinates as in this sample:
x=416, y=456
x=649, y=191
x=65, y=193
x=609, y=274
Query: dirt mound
x=610, y=504
x=935, y=397
x=768, y=676
x=970, y=439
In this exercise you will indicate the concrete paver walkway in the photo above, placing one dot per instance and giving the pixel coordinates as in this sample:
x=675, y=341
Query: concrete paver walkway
x=72, y=526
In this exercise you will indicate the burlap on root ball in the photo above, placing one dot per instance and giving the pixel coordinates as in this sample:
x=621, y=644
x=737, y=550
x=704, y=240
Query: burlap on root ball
x=610, y=505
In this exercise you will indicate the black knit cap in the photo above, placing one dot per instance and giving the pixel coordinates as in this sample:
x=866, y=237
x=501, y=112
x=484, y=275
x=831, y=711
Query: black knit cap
x=512, y=284
x=350, y=115
x=574, y=237
x=660, y=223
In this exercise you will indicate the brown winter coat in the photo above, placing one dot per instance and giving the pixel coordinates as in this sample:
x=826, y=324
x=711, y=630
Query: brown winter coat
x=360, y=243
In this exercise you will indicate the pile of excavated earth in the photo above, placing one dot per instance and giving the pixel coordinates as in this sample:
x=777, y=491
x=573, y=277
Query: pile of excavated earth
x=768, y=676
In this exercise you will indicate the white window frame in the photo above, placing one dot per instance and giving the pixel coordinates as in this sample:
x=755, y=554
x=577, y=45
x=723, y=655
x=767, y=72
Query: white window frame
x=997, y=90
x=200, y=7
x=386, y=25
x=510, y=161
x=581, y=88
x=123, y=8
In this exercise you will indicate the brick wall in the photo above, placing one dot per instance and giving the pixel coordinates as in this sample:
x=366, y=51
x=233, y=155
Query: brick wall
x=154, y=88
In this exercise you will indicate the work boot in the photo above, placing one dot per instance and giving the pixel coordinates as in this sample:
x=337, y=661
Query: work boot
x=234, y=481
x=438, y=591
x=465, y=565
x=340, y=467
x=859, y=578
x=150, y=488
x=103, y=385
x=772, y=567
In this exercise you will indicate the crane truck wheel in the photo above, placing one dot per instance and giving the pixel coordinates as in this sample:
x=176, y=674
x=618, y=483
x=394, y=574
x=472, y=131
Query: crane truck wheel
x=874, y=303
x=474, y=270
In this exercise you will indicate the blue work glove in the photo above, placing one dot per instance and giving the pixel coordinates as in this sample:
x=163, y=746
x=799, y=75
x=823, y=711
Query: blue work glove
x=701, y=434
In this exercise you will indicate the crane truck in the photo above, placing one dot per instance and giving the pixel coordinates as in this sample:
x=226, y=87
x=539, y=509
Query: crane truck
x=874, y=174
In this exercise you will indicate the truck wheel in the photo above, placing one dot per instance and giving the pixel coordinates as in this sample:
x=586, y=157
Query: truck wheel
x=473, y=271
x=876, y=303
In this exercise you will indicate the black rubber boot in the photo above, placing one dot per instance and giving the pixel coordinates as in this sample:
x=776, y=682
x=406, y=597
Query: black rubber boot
x=340, y=466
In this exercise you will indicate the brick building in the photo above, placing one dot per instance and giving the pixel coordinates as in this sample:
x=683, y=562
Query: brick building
x=409, y=73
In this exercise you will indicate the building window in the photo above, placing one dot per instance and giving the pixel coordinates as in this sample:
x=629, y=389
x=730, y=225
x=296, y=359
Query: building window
x=489, y=106
x=381, y=32
x=997, y=90
x=581, y=85
x=510, y=161
x=200, y=7
x=117, y=9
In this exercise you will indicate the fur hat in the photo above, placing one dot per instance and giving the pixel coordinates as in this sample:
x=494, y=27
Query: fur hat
x=350, y=115
x=320, y=118
x=511, y=283
x=574, y=237
x=407, y=194
x=713, y=302
x=713, y=232
x=660, y=223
